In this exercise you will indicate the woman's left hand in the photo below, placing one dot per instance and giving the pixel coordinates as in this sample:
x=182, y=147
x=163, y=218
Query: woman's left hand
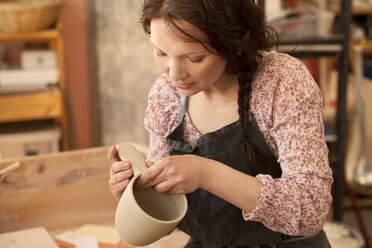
x=174, y=175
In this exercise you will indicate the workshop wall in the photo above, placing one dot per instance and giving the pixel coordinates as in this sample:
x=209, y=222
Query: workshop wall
x=123, y=69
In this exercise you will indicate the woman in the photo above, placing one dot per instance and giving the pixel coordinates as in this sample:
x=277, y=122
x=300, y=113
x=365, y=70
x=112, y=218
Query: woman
x=237, y=129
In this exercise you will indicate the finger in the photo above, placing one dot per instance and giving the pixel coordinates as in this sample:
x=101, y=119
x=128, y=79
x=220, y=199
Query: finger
x=146, y=185
x=118, y=188
x=113, y=154
x=119, y=166
x=121, y=176
x=176, y=190
x=149, y=176
x=149, y=163
x=164, y=186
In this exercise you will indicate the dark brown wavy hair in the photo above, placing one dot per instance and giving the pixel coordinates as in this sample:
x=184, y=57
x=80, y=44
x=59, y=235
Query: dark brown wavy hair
x=238, y=32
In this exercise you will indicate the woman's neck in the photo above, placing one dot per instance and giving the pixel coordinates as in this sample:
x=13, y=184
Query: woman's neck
x=215, y=108
x=223, y=91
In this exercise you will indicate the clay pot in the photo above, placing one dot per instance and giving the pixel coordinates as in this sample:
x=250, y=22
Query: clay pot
x=145, y=216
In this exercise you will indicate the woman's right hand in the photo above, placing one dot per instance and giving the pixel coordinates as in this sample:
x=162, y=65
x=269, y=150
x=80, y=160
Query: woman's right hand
x=120, y=173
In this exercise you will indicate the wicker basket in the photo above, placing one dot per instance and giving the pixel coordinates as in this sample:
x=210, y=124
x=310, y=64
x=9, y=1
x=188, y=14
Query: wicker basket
x=20, y=16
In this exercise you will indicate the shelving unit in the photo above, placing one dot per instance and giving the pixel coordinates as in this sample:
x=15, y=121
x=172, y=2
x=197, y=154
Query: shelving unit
x=364, y=10
x=335, y=45
x=42, y=105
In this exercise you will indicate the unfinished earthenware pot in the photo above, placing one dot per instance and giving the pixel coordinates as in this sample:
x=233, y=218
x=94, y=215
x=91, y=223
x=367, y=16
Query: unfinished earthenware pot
x=142, y=217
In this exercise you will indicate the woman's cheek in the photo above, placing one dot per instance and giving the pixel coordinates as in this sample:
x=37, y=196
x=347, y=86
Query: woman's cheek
x=163, y=65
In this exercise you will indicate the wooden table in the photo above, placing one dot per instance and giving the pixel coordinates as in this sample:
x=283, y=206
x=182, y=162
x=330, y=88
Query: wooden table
x=62, y=191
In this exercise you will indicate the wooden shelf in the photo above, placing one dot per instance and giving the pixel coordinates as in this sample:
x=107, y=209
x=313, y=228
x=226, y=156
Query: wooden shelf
x=40, y=35
x=363, y=202
x=31, y=106
x=367, y=49
x=362, y=11
x=42, y=105
x=359, y=8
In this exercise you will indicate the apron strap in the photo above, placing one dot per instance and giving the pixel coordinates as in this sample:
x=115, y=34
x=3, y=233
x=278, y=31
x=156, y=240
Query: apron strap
x=183, y=110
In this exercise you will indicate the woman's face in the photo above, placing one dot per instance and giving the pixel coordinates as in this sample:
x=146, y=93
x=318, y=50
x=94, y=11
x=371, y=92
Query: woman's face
x=188, y=64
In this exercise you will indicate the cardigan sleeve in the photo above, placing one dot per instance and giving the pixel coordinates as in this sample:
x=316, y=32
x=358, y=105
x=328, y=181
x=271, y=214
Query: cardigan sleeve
x=298, y=202
x=163, y=107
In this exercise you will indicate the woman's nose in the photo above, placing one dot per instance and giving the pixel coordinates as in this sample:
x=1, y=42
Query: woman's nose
x=177, y=71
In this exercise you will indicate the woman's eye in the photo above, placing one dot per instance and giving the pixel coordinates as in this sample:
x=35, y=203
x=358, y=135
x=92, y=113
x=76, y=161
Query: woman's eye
x=160, y=54
x=196, y=60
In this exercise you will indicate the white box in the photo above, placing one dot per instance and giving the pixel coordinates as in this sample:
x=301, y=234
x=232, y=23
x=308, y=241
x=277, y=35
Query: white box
x=31, y=77
x=304, y=22
x=38, y=59
x=25, y=80
x=30, y=142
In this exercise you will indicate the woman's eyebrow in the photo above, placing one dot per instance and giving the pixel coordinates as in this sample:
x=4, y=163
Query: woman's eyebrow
x=186, y=54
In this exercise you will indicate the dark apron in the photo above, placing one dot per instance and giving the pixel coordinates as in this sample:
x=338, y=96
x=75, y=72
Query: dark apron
x=211, y=221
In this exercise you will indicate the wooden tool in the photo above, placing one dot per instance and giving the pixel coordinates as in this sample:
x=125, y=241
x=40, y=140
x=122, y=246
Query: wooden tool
x=4, y=173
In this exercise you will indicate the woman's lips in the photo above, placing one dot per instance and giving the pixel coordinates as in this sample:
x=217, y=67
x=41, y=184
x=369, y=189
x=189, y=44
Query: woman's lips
x=184, y=86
